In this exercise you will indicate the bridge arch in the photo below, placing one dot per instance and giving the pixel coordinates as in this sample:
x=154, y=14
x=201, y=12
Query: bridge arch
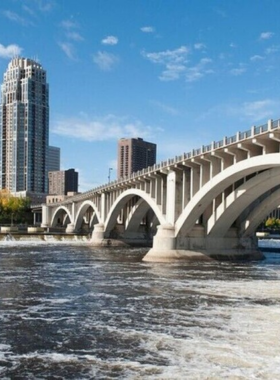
x=61, y=216
x=241, y=198
x=259, y=213
x=135, y=217
x=203, y=198
x=95, y=218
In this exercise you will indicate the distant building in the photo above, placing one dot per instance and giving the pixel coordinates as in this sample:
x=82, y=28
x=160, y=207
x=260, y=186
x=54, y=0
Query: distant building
x=135, y=154
x=24, y=128
x=53, y=159
x=63, y=181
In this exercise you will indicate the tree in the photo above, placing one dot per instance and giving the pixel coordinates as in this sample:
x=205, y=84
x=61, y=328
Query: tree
x=13, y=209
x=272, y=223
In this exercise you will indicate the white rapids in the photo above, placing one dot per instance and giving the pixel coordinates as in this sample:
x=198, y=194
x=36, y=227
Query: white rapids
x=76, y=312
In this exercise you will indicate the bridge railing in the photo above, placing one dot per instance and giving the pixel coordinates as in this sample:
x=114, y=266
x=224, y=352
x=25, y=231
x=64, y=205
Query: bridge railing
x=245, y=135
x=275, y=124
x=239, y=136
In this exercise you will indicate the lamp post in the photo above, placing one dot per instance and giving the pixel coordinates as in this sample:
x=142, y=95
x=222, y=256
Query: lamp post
x=147, y=156
x=109, y=175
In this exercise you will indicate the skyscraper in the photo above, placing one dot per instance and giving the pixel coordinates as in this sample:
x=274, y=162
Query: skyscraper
x=135, y=154
x=63, y=181
x=53, y=159
x=24, y=127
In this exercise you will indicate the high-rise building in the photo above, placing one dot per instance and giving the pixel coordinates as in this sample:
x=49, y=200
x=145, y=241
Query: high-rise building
x=53, y=159
x=24, y=127
x=63, y=181
x=135, y=154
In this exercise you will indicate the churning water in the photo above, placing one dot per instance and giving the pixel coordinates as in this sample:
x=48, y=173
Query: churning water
x=76, y=312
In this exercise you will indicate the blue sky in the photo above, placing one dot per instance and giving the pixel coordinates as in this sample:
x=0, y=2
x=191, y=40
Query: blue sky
x=178, y=73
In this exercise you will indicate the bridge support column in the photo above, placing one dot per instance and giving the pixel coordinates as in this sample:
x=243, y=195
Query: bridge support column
x=97, y=236
x=70, y=229
x=164, y=245
x=165, y=248
x=45, y=216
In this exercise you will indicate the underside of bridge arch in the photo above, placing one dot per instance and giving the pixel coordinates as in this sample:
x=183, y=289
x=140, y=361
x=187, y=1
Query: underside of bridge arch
x=239, y=200
x=140, y=220
x=251, y=221
x=133, y=218
x=214, y=217
x=214, y=193
x=61, y=218
x=87, y=216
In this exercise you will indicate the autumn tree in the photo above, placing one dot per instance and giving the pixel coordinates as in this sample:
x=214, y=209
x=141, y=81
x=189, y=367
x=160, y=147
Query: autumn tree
x=272, y=223
x=13, y=209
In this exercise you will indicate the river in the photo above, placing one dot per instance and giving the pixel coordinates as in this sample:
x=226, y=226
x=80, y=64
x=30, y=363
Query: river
x=70, y=311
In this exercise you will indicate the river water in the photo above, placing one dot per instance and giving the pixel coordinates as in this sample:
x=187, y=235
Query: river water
x=76, y=312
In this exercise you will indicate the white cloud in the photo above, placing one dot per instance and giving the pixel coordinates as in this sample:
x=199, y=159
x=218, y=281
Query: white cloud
x=164, y=107
x=266, y=35
x=176, y=65
x=198, y=71
x=74, y=36
x=110, y=40
x=221, y=12
x=260, y=109
x=250, y=112
x=199, y=46
x=45, y=5
x=68, y=49
x=105, y=61
x=168, y=56
x=68, y=24
x=172, y=72
x=69, y=27
x=238, y=71
x=256, y=58
x=12, y=16
x=173, y=60
x=10, y=51
x=29, y=10
x=148, y=29
x=272, y=49
x=102, y=128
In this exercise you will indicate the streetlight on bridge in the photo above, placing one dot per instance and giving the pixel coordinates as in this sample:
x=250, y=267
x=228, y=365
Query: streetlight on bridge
x=109, y=175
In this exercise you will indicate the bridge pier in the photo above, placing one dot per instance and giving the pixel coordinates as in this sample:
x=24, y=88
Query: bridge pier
x=168, y=248
x=97, y=237
x=165, y=248
x=70, y=229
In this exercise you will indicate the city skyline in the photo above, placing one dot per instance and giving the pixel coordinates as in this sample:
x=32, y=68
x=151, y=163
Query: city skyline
x=178, y=76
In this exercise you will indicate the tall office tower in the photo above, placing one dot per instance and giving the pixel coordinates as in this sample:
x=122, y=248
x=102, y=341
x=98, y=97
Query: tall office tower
x=24, y=127
x=135, y=154
x=63, y=181
x=53, y=159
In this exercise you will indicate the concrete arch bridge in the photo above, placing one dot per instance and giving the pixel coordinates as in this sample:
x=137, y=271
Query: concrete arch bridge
x=205, y=203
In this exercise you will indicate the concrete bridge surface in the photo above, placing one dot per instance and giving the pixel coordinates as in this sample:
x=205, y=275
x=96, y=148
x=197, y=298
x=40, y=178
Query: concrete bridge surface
x=199, y=205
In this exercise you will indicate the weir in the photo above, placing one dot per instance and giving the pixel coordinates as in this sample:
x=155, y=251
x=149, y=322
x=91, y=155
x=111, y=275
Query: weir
x=41, y=238
x=199, y=205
